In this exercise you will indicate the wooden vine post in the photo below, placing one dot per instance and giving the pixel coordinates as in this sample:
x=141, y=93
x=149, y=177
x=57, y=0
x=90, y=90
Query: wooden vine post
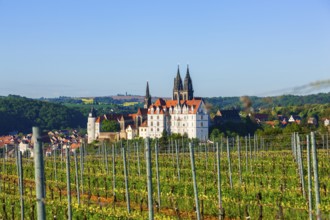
x=68, y=182
x=39, y=173
x=193, y=170
x=157, y=176
x=309, y=177
x=126, y=180
x=149, y=178
x=316, y=178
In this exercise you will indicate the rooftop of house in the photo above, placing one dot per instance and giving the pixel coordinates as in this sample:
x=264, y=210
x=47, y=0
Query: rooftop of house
x=171, y=104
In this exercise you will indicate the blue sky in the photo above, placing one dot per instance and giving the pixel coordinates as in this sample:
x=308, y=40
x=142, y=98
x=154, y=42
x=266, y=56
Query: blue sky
x=103, y=47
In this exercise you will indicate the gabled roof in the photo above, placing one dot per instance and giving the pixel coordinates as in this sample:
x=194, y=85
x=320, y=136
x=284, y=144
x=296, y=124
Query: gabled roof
x=111, y=117
x=228, y=114
x=295, y=117
x=162, y=104
x=144, y=124
x=132, y=126
x=142, y=111
x=126, y=117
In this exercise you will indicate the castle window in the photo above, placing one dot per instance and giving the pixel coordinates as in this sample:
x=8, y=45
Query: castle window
x=151, y=123
x=150, y=117
x=201, y=117
x=157, y=117
x=157, y=123
x=201, y=124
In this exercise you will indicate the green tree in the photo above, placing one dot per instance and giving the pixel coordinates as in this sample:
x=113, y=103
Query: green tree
x=292, y=127
x=163, y=141
x=110, y=126
x=215, y=134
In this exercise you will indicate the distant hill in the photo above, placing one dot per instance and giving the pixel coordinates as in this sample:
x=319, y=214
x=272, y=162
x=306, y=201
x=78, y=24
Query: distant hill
x=20, y=114
x=268, y=102
x=215, y=102
x=116, y=99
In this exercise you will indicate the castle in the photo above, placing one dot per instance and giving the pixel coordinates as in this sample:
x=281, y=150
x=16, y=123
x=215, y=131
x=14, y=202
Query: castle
x=184, y=114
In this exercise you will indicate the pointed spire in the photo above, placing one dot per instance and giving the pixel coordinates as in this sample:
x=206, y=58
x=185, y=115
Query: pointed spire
x=147, y=98
x=187, y=79
x=92, y=113
x=187, y=74
x=178, y=80
x=147, y=90
x=178, y=72
x=188, y=87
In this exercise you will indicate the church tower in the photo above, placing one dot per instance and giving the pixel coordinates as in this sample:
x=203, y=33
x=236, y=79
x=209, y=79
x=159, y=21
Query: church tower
x=185, y=92
x=188, y=91
x=91, y=125
x=147, y=98
x=177, y=86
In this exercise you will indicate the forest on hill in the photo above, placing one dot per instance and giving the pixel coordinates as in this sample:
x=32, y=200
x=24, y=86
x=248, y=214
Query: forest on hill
x=269, y=102
x=20, y=114
x=216, y=102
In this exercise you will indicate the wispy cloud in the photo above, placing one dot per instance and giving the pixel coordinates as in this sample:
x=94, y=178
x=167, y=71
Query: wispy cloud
x=316, y=86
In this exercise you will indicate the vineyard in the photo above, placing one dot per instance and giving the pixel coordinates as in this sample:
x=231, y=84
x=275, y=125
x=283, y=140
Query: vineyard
x=233, y=178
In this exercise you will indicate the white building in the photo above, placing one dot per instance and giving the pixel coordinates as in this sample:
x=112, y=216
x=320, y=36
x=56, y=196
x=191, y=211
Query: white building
x=190, y=117
x=92, y=129
x=183, y=115
x=131, y=132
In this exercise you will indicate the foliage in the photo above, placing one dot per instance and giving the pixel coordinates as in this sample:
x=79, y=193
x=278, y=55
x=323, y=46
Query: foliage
x=110, y=126
x=20, y=114
x=268, y=102
x=263, y=169
x=232, y=129
x=163, y=141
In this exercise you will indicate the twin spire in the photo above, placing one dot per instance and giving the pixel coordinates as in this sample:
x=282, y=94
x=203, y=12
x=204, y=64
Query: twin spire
x=186, y=91
x=180, y=91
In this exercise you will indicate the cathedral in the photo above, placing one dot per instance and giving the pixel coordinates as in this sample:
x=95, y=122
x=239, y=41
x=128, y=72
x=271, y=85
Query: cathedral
x=184, y=114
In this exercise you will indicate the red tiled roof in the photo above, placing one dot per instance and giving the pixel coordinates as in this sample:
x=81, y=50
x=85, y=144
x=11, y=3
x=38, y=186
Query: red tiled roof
x=75, y=145
x=143, y=111
x=144, y=124
x=6, y=140
x=195, y=103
